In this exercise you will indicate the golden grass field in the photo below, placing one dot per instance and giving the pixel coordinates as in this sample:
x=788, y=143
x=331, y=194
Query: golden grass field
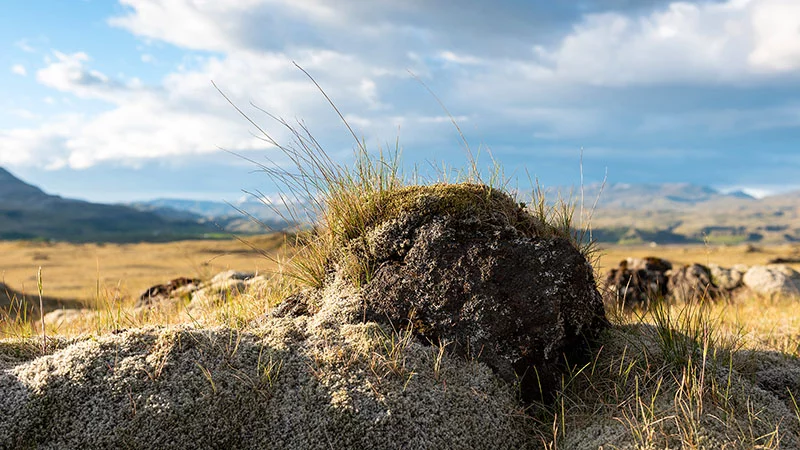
x=97, y=275
x=84, y=271
x=81, y=271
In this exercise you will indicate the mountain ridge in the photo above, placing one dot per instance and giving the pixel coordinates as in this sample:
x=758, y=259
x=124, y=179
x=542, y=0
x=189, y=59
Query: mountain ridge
x=28, y=212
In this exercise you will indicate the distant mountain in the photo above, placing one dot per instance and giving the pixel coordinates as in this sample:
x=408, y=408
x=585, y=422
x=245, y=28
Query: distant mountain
x=248, y=216
x=27, y=212
x=685, y=213
x=655, y=196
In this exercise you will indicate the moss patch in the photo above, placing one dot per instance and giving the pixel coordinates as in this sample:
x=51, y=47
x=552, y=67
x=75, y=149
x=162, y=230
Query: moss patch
x=476, y=202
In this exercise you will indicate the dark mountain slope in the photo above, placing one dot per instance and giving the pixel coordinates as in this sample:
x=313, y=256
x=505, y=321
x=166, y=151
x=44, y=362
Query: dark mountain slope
x=27, y=212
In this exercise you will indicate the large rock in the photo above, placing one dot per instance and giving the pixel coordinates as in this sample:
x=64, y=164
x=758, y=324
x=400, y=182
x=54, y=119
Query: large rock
x=773, y=280
x=467, y=265
x=692, y=283
x=636, y=282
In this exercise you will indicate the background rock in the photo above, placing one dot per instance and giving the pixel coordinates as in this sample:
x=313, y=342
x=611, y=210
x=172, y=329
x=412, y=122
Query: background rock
x=175, y=288
x=692, y=283
x=636, y=282
x=773, y=280
x=727, y=279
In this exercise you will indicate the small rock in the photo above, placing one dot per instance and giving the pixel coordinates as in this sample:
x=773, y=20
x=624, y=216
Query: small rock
x=63, y=317
x=231, y=275
x=727, y=279
x=179, y=287
x=636, y=282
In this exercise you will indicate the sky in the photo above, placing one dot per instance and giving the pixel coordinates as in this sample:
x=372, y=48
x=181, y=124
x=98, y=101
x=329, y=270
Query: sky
x=113, y=100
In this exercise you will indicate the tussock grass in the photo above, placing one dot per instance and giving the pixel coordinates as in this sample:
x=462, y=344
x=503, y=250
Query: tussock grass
x=678, y=376
x=345, y=201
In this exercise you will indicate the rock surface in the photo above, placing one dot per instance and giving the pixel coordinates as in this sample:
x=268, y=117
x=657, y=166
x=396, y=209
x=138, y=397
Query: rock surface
x=313, y=382
x=636, y=282
x=773, y=280
x=692, y=283
x=727, y=278
x=177, y=287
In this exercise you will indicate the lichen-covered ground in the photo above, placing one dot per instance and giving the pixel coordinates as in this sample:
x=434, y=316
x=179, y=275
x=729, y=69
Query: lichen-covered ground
x=323, y=382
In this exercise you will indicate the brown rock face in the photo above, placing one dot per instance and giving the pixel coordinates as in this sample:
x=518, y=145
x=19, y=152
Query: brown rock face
x=637, y=282
x=161, y=292
x=692, y=283
x=511, y=296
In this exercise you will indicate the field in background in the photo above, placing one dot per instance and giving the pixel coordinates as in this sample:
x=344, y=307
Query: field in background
x=85, y=271
x=78, y=271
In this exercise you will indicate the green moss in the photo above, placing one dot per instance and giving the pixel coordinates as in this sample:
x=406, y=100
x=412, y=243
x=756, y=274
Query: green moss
x=463, y=200
x=477, y=204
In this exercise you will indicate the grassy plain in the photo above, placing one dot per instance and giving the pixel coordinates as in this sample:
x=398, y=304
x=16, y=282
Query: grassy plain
x=85, y=272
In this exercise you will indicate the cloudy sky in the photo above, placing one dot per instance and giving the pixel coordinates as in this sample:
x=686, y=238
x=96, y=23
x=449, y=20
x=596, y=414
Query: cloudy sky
x=113, y=101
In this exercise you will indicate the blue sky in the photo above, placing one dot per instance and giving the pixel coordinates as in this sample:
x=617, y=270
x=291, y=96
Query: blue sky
x=113, y=101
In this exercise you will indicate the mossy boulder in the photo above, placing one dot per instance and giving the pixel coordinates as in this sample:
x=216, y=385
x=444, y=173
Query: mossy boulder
x=467, y=265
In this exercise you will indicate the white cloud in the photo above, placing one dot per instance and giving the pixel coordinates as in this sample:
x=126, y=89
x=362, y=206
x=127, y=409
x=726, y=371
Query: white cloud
x=776, y=27
x=25, y=114
x=19, y=69
x=42, y=147
x=732, y=42
x=68, y=73
x=540, y=91
x=185, y=115
x=147, y=58
x=23, y=45
x=460, y=59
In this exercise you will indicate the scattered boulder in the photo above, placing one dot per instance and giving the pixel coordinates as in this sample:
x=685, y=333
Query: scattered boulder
x=692, y=283
x=636, y=282
x=178, y=287
x=62, y=318
x=222, y=286
x=230, y=276
x=773, y=280
x=727, y=279
x=784, y=260
x=466, y=265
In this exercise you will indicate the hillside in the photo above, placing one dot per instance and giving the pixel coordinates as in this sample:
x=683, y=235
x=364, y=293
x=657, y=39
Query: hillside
x=670, y=213
x=686, y=213
x=248, y=216
x=27, y=212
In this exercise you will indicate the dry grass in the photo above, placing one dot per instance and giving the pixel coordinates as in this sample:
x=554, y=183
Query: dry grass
x=98, y=284
x=79, y=271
